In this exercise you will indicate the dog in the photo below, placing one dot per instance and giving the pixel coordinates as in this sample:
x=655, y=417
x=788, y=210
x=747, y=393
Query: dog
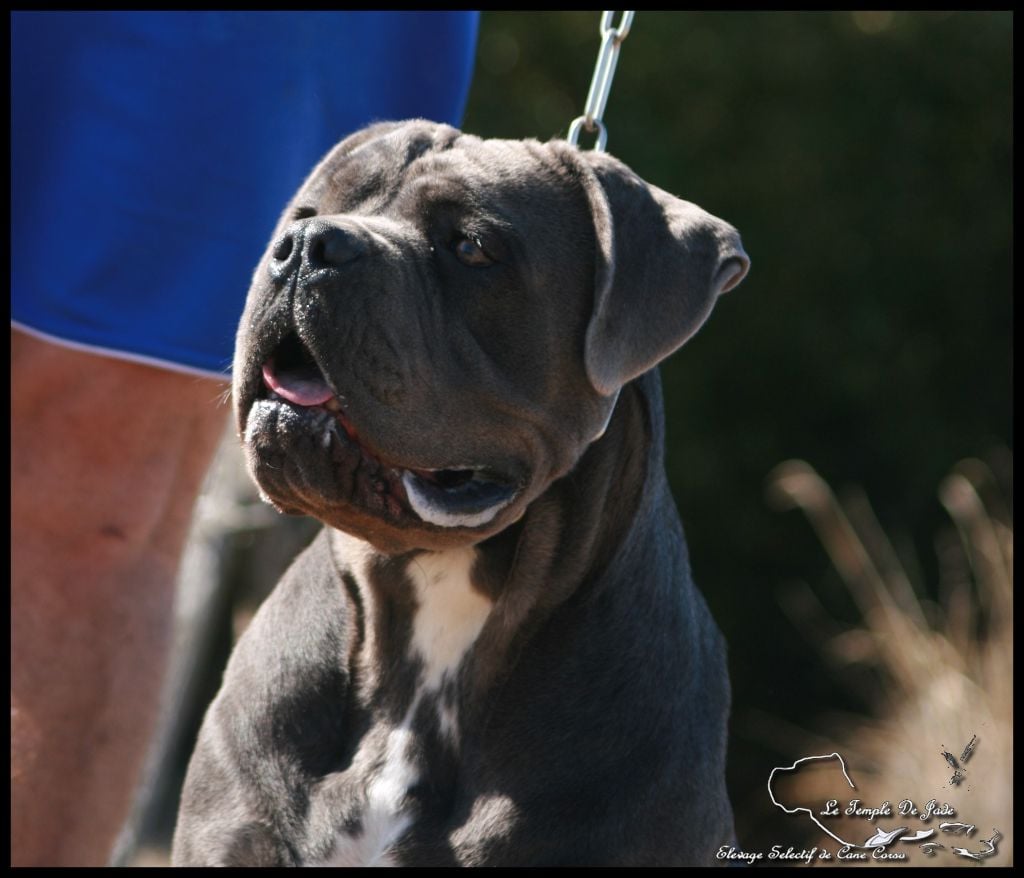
x=493, y=653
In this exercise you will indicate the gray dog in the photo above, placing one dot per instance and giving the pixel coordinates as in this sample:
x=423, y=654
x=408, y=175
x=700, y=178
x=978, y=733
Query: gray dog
x=493, y=653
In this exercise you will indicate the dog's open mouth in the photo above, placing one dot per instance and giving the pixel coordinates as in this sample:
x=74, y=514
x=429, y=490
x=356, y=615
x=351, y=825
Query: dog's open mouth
x=468, y=496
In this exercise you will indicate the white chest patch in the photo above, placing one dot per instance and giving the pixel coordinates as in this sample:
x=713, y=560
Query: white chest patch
x=450, y=612
x=449, y=616
x=385, y=816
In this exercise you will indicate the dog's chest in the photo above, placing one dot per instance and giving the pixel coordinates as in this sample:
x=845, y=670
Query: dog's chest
x=394, y=759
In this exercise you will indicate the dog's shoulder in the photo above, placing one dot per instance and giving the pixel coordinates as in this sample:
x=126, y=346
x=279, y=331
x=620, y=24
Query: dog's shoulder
x=278, y=723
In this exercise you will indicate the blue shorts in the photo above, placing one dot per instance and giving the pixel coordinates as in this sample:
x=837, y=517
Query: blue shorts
x=152, y=154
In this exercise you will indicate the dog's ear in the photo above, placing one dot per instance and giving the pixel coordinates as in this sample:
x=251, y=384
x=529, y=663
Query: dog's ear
x=661, y=263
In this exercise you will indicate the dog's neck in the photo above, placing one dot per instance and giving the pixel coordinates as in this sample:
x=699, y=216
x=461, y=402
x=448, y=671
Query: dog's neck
x=461, y=616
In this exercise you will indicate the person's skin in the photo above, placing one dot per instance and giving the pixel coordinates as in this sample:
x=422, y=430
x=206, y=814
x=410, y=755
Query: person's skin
x=107, y=458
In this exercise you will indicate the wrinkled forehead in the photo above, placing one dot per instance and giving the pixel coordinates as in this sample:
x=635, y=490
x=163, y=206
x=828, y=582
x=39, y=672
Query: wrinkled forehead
x=395, y=172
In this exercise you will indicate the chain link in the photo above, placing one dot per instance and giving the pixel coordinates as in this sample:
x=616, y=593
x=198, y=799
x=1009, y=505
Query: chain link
x=600, y=85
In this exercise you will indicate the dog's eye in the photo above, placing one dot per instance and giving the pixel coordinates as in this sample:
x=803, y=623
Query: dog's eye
x=469, y=252
x=303, y=212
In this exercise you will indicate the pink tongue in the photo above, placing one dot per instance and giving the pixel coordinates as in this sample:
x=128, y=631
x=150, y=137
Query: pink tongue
x=295, y=388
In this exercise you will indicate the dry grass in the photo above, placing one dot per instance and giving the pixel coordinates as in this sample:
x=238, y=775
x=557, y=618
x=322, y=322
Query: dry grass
x=944, y=670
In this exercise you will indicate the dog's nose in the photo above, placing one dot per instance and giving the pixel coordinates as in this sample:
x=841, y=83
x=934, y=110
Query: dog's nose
x=331, y=246
x=317, y=244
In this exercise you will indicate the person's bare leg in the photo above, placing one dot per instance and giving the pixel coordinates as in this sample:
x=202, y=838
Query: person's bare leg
x=106, y=460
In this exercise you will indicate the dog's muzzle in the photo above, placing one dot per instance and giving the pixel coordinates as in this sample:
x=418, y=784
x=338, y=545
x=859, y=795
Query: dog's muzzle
x=466, y=496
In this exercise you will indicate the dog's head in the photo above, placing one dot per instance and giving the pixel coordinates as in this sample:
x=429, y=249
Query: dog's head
x=441, y=326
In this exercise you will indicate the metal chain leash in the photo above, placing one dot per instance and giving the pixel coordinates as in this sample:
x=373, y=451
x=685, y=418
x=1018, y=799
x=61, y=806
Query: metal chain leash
x=600, y=85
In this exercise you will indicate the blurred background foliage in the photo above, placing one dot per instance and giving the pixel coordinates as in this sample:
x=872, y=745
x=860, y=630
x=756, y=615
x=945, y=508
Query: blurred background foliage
x=866, y=159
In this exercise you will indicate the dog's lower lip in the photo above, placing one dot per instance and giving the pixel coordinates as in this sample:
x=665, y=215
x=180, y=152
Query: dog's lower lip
x=457, y=498
x=459, y=493
x=333, y=406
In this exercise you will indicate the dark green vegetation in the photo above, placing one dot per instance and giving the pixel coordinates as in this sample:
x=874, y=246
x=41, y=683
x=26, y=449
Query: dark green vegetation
x=866, y=160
